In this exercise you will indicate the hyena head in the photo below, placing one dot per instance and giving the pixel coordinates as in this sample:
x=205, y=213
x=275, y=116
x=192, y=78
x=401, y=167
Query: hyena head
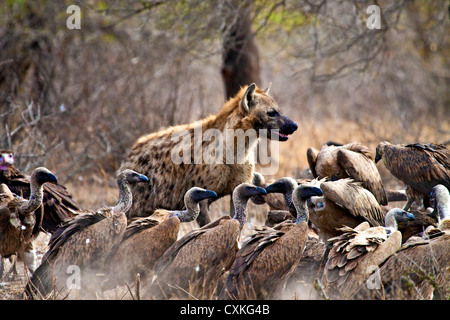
x=262, y=112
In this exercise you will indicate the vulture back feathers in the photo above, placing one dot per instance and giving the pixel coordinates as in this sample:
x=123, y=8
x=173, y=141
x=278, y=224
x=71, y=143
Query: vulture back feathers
x=419, y=166
x=192, y=266
x=352, y=160
x=83, y=241
x=58, y=205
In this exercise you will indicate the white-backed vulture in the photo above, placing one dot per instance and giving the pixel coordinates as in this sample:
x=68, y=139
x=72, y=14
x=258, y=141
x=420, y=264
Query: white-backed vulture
x=192, y=266
x=57, y=205
x=344, y=203
x=146, y=239
x=421, y=269
x=280, y=203
x=17, y=218
x=357, y=251
x=84, y=242
x=352, y=160
x=265, y=262
x=419, y=166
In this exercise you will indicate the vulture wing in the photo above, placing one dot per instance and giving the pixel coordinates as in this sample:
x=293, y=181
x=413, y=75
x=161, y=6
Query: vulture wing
x=363, y=169
x=355, y=199
x=421, y=166
x=311, y=154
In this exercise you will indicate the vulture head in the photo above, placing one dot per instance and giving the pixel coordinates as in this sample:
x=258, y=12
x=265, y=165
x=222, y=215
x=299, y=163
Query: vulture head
x=396, y=216
x=197, y=194
x=379, y=151
x=301, y=196
x=6, y=159
x=132, y=177
x=42, y=175
x=284, y=185
x=245, y=191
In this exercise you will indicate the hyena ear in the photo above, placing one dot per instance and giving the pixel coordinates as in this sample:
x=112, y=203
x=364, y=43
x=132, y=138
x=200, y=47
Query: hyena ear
x=268, y=88
x=248, y=97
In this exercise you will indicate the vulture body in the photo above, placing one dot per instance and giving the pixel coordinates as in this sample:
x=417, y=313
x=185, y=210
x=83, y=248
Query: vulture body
x=83, y=241
x=17, y=218
x=266, y=261
x=419, y=166
x=352, y=160
x=421, y=269
x=344, y=203
x=57, y=204
x=357, y=251
x=193, y=265
x=146, y=239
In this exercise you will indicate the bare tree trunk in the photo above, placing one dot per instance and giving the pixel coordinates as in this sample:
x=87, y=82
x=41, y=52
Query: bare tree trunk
x=240, y=52
x=240, y=65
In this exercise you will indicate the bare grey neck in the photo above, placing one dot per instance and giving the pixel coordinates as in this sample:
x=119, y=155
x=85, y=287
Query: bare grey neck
x=240, y=209
x=125, y=197
x=35, y=201
x=302, y=212
x=190, y=214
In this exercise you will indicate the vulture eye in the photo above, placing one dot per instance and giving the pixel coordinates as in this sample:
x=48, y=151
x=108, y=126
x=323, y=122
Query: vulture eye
x=272, y=113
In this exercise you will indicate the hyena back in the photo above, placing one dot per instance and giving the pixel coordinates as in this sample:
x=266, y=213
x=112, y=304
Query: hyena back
x=151, y=154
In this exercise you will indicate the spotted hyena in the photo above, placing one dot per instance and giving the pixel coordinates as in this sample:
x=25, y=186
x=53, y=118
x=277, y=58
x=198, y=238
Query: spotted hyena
x=172, y=158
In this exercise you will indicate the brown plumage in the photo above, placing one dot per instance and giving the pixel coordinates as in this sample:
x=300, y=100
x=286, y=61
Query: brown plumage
x=357, y=251
x=58, y=205
x=17, y=218
x=267, y=259
x=344, y=203
x=422, y=220
x=146, y=239
x=194, y=263
x=352, y=160
x=83, y=241
x=419, y=166
x=421, y=269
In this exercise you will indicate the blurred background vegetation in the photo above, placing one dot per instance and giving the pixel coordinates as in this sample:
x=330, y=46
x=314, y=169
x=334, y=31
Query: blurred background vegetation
x=75, y=100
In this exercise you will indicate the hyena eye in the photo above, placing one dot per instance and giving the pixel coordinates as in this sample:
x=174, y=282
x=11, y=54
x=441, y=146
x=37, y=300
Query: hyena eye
x=272, y=113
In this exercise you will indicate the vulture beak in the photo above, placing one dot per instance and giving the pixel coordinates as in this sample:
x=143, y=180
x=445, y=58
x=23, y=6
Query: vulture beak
x=52, y=178
x=143, y=178
x=377, y=156
x=410, y=216
x=206, y=194
x=274, y=188
x=257, y=191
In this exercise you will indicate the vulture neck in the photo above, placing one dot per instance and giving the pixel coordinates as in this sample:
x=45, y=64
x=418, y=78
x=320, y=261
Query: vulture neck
x=390, y=224
x=443, y=211
x=289, y=202
x=240, y=209
x=35, y=201
x=302, y=212
x=190, y=214
x=125, y=197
